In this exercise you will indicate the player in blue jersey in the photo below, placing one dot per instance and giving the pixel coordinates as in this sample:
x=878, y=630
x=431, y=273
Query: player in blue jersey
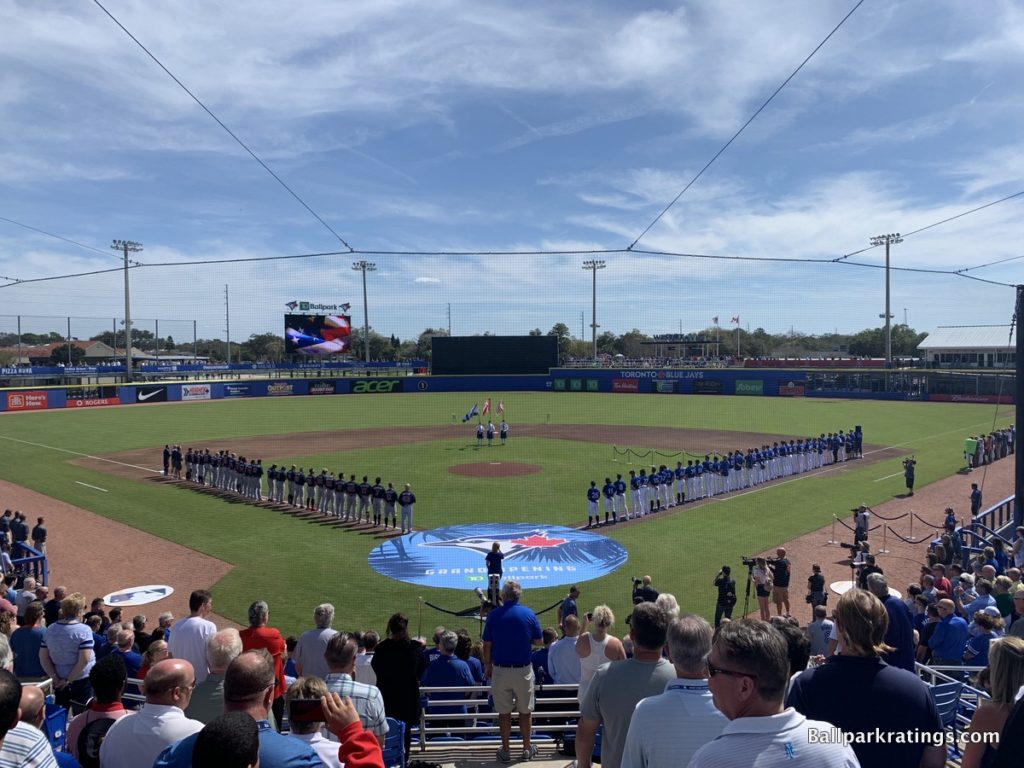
x=593, y=495
x=390, y=498
x=376, y=500
x=680, y=482
x=406, y=499
x=609, y=500
x=364, y=499
x=635, y=496
x=620, y=496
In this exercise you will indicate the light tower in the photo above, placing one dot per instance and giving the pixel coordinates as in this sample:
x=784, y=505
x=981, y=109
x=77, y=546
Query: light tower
x=126, y=247
x=364, y=267
x=887, y=240
x=593, y=265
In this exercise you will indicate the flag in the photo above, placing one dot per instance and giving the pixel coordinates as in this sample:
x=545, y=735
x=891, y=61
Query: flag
x=715, y=319
x=735, y=319
x=471, y=414
x=501, y=406
x=487, y=407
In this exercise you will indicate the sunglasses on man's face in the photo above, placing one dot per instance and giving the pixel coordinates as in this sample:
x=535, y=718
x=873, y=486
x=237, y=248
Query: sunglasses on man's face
x=713, y=670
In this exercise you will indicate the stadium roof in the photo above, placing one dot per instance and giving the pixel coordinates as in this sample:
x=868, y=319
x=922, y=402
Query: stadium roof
x=970, y=337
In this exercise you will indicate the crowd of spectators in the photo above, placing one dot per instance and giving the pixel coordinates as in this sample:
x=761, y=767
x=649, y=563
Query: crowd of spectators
x=980, y=450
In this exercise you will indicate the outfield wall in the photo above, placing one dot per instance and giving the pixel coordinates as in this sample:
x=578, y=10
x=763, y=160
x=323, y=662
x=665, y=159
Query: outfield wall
x=716, y=381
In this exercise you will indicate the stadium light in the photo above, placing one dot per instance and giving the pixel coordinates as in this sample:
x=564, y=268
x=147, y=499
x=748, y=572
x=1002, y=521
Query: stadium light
x=364, y=267
x=126, y=247
x=887, y=240
x=593, y=265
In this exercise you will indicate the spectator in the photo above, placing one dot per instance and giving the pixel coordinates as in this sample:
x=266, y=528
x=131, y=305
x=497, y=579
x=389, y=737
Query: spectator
x=646, y=592
x=819, y=631
x=66, y=654
x=900, y=632
x=6, y=654
x=1002, y=596
x=307, y=729
x=568, y=607
x=132, y=660
x=668, y=603
x=977, y=650
x=51, y=608
x=340, y=658
x=142, y=637
x=86, y=731
x=1006, y=666
x=761, y=575
x=563, y=661
x=509, y=634
x=189, y=635
x=290, y=673
x=983, y=601
x=667, y=729
x=539, y=659
x=798, y=647
x=1017, y=627
x=26, y=641
x=96, y=609
x=249, y=688
x=464, y=651
x=866, y=570
x=207, y=700
x=447, y=671
x=617, y=688
x=949, y=638
x=20, y=743
x=816, y=595
x=598, y=646
x=747, y=675
x=398, y=665
x=163, y=630
x=875, y=696
x=364, y=661
x=156, y=652
x=941, y=583
x=231, y=740
x=781, y=569
x=26, y=595
x=309, y=652
x=33, y=714
x=39, y=536
x=258, y=635
x=137, y=740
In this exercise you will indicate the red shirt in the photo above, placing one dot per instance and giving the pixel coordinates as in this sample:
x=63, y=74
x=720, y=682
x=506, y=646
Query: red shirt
x=255, y=638
x=943, y=585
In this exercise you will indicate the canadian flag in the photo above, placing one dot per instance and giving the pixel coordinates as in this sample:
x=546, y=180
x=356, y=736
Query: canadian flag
x=487, y=407
x=735, y=319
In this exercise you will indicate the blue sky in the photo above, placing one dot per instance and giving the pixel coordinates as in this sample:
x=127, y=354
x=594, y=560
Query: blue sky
x=456, y=126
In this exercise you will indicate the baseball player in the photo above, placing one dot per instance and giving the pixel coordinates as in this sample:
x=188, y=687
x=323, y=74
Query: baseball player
x=390, y=497
x=376, y=500
x=680, y=482
x=352, y=491
x=620, y=496
x=364, y=499
x=167, y=458
x=593, y=495
x=636, y=504
x=405, y=500
x=608, y=489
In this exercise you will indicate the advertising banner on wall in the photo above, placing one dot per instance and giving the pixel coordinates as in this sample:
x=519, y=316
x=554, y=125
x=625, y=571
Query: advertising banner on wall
x=321, y=388
x=625, y=385
x=150, y=394
x=27, y=401
x=376, y=386
x=280, y=390
x=664, y=387
x=707, y=387
x=196, y=391
x=237, y=390
x=749, y=387
x=88, y=397
x=791, y=390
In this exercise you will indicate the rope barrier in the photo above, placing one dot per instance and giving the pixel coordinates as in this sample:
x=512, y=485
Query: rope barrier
x=890, y=519
x=475, y=610
x=928, y=523
x=845, y=524
x=909, y=540
x=668, y=455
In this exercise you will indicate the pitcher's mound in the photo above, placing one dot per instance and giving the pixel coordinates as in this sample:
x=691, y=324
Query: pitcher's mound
x=495, y=469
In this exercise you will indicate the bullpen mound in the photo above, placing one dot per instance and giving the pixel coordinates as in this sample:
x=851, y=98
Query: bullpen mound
x=495, y=469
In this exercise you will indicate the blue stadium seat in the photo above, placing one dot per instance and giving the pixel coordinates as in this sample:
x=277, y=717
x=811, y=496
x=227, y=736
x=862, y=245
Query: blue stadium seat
x=394, y=744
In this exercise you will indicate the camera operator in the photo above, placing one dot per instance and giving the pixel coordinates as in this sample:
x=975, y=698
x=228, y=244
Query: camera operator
x=909, y=464
x=726, y=594
x=781, y=568
x=643, y=592
x=866, y=570
x=861, y=522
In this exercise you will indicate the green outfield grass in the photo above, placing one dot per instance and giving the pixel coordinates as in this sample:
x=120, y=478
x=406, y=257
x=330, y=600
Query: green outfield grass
x=295, y=564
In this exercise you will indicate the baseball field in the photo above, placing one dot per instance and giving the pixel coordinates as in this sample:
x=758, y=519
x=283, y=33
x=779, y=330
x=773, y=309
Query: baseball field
x=106, y=460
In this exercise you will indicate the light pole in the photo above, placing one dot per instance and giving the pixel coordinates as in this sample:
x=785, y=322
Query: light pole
x=593, y=265
x=364, y=267
x=126, y=247
x=887, y=240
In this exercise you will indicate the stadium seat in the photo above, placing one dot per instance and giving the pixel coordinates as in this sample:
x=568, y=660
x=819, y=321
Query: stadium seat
x=947, y=702
x=394, y=744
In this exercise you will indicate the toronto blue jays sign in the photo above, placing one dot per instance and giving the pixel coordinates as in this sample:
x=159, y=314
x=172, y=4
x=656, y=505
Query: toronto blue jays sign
x=535, y=555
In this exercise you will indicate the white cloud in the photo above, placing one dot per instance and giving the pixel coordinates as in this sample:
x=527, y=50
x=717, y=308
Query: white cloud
x=429, y=280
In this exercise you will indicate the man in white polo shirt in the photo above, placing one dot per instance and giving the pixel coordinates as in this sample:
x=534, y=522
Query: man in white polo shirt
x=748, y=669
x=667, y=729
x=189, y=635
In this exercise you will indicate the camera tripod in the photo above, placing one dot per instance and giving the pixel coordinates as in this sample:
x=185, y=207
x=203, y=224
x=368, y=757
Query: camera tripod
x=746, y=592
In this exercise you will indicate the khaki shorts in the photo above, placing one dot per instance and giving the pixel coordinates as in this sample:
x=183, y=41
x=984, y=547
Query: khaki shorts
x=780, y=594
x=512, y=689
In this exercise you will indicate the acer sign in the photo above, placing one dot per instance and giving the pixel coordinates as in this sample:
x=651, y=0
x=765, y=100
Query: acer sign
x=376, y=386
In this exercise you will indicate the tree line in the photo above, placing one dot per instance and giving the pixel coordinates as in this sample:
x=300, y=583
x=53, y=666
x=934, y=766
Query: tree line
x=269, y=347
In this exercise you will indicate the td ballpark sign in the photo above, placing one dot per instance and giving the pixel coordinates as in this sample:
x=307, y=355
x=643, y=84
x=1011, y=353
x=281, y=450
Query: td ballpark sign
x=310, y=306
x=536, y=556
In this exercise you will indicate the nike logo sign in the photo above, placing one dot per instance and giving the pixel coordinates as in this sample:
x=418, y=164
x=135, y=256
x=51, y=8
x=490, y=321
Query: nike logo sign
x=147, y=395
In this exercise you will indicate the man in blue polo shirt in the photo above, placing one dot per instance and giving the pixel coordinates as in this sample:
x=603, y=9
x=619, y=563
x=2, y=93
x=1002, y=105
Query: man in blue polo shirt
x=950, y=636
x=509, y=635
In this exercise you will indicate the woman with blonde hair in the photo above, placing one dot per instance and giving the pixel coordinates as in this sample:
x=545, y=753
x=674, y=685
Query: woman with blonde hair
x=1006, y=676
x=597, y=646
x=761, y=575
x=157, y=651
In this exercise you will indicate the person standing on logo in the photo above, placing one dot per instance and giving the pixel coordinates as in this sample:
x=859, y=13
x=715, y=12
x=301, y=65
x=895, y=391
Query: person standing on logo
x=493, y=559
x=405, y=500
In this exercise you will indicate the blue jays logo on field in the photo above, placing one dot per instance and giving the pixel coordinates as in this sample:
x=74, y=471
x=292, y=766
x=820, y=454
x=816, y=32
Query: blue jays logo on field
x=535, y=555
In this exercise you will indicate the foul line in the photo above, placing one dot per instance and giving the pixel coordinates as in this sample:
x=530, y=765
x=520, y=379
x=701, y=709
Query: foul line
x=888, y=477
x=79, y=453
x=94, y=487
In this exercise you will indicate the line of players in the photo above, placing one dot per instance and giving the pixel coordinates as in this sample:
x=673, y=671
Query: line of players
x=665, y=487
x=348, y=500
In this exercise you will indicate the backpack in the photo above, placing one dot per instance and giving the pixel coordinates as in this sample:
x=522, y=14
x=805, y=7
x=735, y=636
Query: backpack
x=91, y=739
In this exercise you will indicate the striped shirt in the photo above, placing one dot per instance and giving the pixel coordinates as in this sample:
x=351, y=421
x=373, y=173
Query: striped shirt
x=63, y=641
x=26, y=747
x=365, y=698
